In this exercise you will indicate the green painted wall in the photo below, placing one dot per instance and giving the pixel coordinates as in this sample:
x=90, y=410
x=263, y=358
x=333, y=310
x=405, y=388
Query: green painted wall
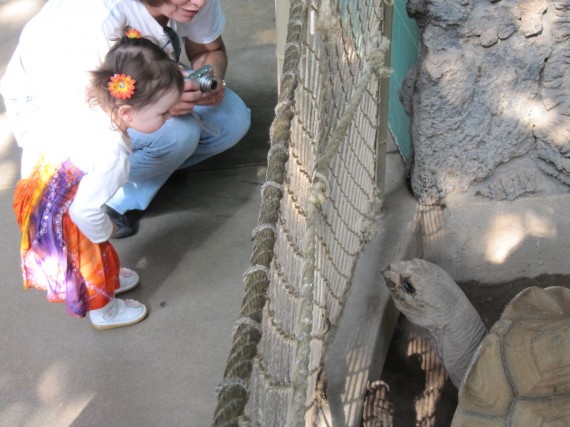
x=405, y=47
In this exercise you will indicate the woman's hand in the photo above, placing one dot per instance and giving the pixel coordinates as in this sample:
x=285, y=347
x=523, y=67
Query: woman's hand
x=190, y=97
x=212, y=98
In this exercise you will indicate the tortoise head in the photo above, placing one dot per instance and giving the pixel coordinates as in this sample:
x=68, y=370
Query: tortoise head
x=422, y=291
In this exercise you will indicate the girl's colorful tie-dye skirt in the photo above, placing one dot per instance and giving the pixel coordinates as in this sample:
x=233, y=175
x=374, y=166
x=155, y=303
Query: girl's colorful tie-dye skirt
x=56, y=256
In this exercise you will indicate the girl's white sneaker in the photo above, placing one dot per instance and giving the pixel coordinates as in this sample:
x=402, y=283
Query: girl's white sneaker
x=117, y=313
x=129, y=279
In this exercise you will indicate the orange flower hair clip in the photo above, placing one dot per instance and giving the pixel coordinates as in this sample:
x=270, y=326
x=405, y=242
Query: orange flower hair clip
x=121, y=86
x=133, y=34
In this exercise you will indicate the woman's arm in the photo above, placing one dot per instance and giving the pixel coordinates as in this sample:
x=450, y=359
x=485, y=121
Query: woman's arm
x=199, y=54
x=210, y=53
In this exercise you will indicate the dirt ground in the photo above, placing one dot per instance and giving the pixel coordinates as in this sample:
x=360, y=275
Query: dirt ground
x=414, y=389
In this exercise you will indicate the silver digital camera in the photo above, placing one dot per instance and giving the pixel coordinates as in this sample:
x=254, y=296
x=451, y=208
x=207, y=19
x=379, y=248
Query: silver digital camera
x=204, y=76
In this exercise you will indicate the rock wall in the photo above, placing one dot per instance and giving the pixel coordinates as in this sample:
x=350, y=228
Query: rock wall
x=489, y=99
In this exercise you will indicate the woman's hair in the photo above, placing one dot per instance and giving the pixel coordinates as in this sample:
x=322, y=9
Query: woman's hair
x=154, y=3
x=146, y=63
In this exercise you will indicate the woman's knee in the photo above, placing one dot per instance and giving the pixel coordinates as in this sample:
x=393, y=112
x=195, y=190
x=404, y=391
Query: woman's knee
x=241, y=116
x=176, y=139
x=163, y=151
x=231, y=120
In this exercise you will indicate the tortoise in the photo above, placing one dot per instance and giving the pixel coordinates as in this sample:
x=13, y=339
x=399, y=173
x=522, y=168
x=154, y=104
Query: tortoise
x=519, y=373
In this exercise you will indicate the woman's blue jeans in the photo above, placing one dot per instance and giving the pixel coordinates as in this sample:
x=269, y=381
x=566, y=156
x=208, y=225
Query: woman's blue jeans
x=181, y=142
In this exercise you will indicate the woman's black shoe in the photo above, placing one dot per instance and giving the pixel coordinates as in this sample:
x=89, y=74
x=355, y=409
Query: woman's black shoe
x=123, y=227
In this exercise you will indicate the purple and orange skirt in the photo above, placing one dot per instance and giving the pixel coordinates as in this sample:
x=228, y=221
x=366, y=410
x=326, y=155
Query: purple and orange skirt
x=56, y=256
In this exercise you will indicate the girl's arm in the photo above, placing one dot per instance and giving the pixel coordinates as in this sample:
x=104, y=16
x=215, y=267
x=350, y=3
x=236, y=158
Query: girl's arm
x=97, y=186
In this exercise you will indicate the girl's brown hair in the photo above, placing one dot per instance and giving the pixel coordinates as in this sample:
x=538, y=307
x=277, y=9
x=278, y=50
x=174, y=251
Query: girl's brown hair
x=155, y=73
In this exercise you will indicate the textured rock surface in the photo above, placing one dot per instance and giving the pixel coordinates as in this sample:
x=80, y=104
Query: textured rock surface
x=492, y=85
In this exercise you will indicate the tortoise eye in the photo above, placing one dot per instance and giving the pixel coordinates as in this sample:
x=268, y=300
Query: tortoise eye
x=408, y=287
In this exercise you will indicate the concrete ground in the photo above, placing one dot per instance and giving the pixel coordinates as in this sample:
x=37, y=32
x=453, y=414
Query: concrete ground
x=193, y=245
x=191, y=250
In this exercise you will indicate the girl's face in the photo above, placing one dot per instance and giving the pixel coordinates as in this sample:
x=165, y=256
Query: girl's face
x=179, y=10
x=150, y=118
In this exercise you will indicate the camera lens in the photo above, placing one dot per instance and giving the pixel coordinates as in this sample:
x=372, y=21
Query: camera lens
x=208, y=83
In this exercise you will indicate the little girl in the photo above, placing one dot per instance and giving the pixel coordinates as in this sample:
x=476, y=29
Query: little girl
x=60, y=206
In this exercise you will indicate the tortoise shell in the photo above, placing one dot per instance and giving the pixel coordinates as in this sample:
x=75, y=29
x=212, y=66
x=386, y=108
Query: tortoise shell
x=520, y=374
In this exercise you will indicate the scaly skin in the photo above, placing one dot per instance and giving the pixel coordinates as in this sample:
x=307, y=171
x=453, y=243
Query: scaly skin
x=430, y=298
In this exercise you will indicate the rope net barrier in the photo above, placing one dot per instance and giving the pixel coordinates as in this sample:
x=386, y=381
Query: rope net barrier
x=319, y=202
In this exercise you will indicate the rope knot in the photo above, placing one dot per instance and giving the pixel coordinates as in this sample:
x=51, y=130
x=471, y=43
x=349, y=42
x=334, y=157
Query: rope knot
x=232, y=382
x=377, y=50
x=320, y=189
